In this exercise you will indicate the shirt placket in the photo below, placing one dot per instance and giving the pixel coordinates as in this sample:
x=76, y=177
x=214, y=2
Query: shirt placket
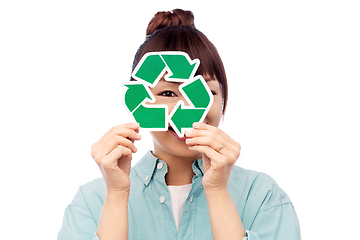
x=187, y=222
x=163, y=195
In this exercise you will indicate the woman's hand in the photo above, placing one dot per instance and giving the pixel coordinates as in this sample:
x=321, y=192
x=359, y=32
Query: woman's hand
x=220, y=153
x=113, y=154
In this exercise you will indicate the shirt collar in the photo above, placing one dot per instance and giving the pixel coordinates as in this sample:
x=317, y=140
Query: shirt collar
x=145, y=168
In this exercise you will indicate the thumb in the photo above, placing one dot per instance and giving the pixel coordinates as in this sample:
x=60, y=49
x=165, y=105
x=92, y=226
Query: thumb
x=206, y=163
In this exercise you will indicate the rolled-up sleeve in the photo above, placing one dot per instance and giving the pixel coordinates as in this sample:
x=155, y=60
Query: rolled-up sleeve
x=276, y=223
x=269, y=213
x=78, y=222
x=249, y=235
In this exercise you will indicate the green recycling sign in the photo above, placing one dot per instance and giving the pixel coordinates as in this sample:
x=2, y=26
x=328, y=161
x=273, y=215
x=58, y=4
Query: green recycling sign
x=178, y=68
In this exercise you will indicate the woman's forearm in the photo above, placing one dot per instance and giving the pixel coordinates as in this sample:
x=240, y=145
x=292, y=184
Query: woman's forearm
x=113, y=223
x=224, y=218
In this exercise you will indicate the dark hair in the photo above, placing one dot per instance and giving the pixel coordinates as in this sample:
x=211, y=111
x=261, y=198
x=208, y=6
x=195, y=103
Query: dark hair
x=175, y=31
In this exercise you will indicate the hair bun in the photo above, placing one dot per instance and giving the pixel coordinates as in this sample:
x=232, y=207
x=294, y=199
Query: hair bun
x=176, y=17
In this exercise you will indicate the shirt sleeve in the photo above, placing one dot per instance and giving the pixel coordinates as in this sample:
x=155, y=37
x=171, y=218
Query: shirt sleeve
x=78, y=222
x=277, y=223
x=272, y=215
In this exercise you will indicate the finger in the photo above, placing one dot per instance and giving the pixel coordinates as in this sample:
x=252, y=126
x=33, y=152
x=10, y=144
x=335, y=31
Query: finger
x=114, y=142
x=216, y=146
x=124, y=130
x=211, y=138
x=204, y=141
x=203, y=126
x=111, y=160
x=217, y=159
x=129, y=130
x=213, y=152
x=217, y=135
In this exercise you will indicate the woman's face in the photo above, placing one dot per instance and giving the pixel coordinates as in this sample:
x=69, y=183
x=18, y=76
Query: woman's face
x=167, y=143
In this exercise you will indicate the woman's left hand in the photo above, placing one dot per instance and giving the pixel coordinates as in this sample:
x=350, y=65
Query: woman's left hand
x=220, y=153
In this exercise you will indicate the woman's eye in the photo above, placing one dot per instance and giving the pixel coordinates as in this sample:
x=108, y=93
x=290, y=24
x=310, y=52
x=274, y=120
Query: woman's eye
x=213, y=92
x=168, y=94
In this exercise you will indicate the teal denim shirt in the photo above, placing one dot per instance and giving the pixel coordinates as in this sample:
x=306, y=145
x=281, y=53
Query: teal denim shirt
x=264, y=208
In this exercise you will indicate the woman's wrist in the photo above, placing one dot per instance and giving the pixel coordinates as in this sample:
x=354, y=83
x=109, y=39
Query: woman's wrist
x=217, y=193
x=117, y=195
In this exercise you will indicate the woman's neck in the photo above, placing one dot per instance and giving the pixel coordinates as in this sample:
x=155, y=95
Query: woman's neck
x=180, y=170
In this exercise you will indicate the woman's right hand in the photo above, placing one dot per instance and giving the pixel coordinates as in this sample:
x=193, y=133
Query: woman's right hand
x=113, y=154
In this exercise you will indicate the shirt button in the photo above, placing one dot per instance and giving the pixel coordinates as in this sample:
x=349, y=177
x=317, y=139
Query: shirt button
x=147, y=177
x=160, y=165
x=162, y=199
x=191, y=198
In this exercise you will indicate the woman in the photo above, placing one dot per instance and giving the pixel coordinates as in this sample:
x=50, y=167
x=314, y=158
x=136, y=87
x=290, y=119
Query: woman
x=187, y=188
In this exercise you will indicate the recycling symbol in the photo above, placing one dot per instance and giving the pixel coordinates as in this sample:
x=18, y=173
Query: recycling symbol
x=178, y=68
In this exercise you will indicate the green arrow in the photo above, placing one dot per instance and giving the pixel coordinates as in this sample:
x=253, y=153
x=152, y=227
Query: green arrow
x=151, y=117
x=197, y=93
x=150, y=68
x=184, y=118
x=180, y=67
x=135, y=95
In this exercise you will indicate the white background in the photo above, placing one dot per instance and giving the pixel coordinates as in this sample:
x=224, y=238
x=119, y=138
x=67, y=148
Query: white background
x=293, y=69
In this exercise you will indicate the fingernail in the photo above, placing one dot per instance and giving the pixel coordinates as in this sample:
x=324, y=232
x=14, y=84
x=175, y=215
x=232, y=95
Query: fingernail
x=196, y=124
x=188, y=133
x=136, y=124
